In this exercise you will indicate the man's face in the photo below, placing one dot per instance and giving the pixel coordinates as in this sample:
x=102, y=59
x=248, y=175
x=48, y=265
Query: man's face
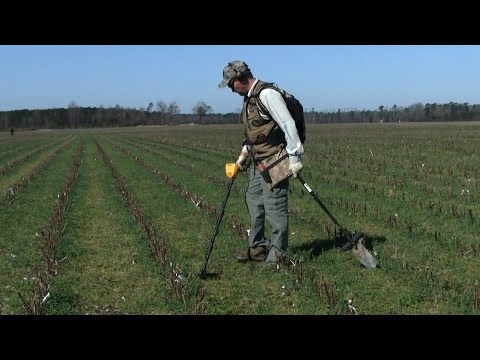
x=237, y=86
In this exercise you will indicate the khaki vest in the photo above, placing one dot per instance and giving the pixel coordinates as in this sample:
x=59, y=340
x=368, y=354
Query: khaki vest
x=264, y=135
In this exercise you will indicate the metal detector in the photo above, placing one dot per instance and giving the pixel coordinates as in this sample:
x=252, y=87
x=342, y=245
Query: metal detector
x=231, y=171
x=354, y=240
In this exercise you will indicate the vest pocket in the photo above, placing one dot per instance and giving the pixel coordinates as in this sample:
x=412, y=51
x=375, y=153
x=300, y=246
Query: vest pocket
x=277, y=167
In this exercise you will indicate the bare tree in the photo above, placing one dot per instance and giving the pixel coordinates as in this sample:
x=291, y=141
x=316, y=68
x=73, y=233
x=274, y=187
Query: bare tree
x=201, y=109
x=162, y=109
x=148, y=112
x=416, y=112
x=118, y=116
x=73, y=113
x=381, y=112
x=150, y=107
x=427, y=110
x=172, y=109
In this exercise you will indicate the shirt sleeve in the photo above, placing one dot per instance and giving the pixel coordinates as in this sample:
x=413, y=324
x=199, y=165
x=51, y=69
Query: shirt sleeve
x=274, y=103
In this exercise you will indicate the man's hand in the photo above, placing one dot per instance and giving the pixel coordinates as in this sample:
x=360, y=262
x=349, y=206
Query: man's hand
x=241, y=159
x=295, y=168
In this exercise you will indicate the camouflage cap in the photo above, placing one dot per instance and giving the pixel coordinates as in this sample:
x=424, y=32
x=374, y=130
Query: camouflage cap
x=231, y=70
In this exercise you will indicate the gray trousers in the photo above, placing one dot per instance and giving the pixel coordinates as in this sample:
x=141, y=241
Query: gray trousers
x=264, y=204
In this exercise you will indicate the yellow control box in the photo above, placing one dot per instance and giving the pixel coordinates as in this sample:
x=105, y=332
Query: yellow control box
x=231, y=170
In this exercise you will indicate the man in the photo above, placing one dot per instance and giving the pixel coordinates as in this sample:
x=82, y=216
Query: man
x=264, y=138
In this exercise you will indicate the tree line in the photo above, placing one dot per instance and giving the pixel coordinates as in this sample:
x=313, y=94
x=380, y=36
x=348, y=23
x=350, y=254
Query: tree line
x=162, y=113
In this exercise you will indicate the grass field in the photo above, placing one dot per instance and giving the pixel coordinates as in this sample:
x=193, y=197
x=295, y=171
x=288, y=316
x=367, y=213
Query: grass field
x=118, y=221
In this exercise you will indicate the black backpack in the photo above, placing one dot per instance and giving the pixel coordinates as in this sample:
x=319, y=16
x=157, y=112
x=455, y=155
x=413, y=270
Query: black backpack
x=293, y=105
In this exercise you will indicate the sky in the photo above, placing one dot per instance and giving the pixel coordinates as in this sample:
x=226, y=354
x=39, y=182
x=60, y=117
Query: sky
x=322, y=77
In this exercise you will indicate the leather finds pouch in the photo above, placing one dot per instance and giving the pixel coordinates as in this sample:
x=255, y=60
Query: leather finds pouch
x=277, y=167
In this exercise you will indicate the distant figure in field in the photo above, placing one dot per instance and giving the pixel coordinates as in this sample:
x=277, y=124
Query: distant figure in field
x=11, y=131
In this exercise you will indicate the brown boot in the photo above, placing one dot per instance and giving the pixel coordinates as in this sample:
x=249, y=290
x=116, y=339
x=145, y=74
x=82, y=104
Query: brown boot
x=258, y=253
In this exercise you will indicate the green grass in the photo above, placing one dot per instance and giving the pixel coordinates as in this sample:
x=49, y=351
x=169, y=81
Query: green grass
x=20, y=243
x=107, y=265
x=370, y=176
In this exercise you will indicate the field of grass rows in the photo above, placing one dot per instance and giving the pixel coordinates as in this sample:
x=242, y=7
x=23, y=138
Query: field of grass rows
x=118, y=221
